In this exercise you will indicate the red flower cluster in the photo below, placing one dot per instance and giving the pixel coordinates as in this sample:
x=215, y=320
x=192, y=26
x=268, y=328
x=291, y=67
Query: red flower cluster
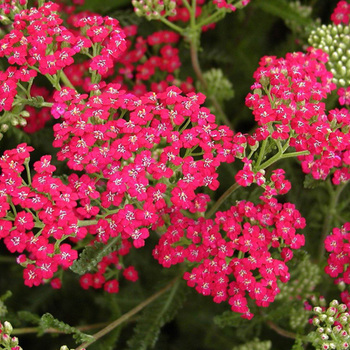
x=39, y=42
x=341, y=13
x=50, y=215
x=224, y=4
x=338, y=261
x=105, y=267
x=46, y=204
x=344, y=96
x=287, y=104
x=7, y=6
x=138, y=66
x=145, y=165
x=237, y=254
x=145, y=157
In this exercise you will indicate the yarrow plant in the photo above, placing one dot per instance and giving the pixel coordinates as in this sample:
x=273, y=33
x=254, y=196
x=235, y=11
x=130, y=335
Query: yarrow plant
x=122, y=172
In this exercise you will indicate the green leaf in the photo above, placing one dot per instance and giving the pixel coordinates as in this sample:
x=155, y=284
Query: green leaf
x=6, y=295
x=48, y=321
x=228, y=319
x=247, y=329
x=3, y=308
x=218, y=85
x=92, y=255
x=29, y=317
x=310, y=182
x=156, y=315
x=282, y=9
x=256, y=344
x=298, y=345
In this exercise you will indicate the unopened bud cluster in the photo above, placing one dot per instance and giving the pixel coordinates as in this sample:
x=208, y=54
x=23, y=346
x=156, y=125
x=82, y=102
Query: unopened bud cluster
x=6, y=341
x=256, y=344
x=154, y=9
x=332, y=327
x=302, y=286
x=334, y=40
x=302, y=11
x=218, y=85
x=8, y=120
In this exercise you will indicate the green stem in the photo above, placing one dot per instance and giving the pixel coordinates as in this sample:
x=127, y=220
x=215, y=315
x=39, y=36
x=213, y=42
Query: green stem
x=24, y=90
x=188, y=6
x=224, y=196
x=198, y=71
x=65, y=80
x=126, y=316
x=294, y=154
x=28, y=330
x=13, y=208
x=29, y=177
x=193, y=13
x=261, y=154
x=331, y=212
x=211, y=19
x=281, y=331
x=171, y=25
x=276, y=157
x=83, y=223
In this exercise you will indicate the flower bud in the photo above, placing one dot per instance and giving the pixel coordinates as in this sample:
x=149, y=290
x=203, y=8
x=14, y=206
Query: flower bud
x=8, y=327
x=64, y=347
x=342, y=308
x=331, y=311
x=317, y=310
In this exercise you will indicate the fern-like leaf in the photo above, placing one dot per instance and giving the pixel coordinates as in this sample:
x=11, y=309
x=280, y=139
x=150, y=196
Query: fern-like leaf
x=156, y=315
x=92, y=255
x=29, y=317
x=48, y=321
x=282, y=9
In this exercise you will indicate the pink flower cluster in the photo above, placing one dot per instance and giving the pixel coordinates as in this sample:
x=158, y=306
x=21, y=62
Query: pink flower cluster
x=42, y=203
x=145, y=156
x=152, y=59
x=39, y=41
x=40, y=214
x=106, y=266
x=239, y=254
x=344, y=96
x=287, y=101
x=337, y=244
x=142, y=167
x=341, y=13
x=7, y=6
x=229, y=6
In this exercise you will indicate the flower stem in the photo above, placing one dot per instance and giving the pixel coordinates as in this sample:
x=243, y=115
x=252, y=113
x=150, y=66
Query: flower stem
x=198, y=71
x=171, y=25
x=331, y=212
x=28, y=330
x=66, y=81
x=224, y=196
x=281, y=331
x=83, y=223
x=126, y=316
x=213, y=18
